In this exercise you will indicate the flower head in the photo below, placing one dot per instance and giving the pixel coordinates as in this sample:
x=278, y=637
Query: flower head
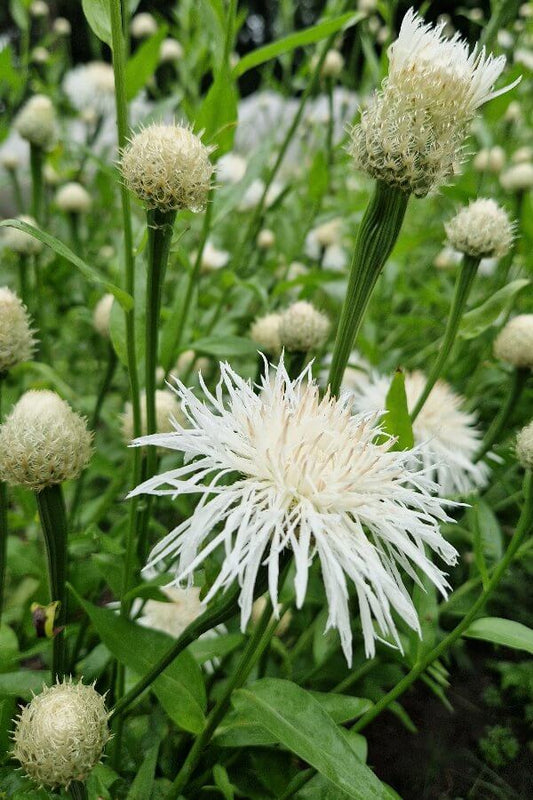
x=60, y=736
x=36, y=122
x=143, y=25
x=524, y=446
x=91, y=86
x=43, y=442
x=73, y=198
x=20, y=241
x=446, y=437
x=102, y=315
x=166, y=409
x=518, y=178
x=514, y=342
x=265, y=333
x=482, y=230
x=171, y=51
x=167, y=167
x=411, y=134
x=17, y=342
x=285, y=469
x=184, y=607
x=303, y=328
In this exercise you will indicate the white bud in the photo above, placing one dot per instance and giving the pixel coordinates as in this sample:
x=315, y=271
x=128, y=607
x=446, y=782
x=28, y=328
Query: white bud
x=332, y=65
x=102, y=315
x=142, y=26
x=523, y=154
x=21, y=242
x=40, y=55
x=39, y=9
x=513, y=112
x=303, y=328
x=166, y=407
x=367, y=6
x=60, y=736
x=265, y=333
x=481, y=229
x=43, y=442
x=514, y=342
x=16, y=335
x=231, y=168
x=213, y=258
x=50, y=176
x=167, y=167
x=9, y=159
x=73, y=198
x=524, y=446
x=266, y=239
x=90, y=89
x=36, y=122
x=62, y=27
x=171, y=50
x=447, y=258
x=490, y=159
x=189, y=359
x=518, y=178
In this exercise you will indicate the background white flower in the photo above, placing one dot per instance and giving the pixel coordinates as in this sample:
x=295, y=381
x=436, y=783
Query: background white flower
x=309, y=477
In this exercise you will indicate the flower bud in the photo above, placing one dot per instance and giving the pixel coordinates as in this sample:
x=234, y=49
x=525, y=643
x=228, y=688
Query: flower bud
x=482, y=230
x=73, y=198
x=513, y=112
x=266, y=239
x=40, y=55
x=188, y=359
x=490, y=159
x=265, y=333
x=16, y=336
x=43, y=442
x=90, y=89
x=142, y=26
x=39, y=9
x=168, y=168
x=102, y=315
x=21, y=242
x=166, y=406
x=171, y=51
x=524, y=446
x=231, y=168
x=62, y=27
x=50, y=175
x=514, y=342
x=212, y=258
x=447, y=258
x=303, y=328
x=332, y=65
x=523, y=154
x=518, y=178
x=60, y=736
x=10, y=160
x=36, y=122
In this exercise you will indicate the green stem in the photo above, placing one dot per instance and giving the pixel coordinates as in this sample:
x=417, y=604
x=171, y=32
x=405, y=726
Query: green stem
x=257, y=642
x=296, y=364
x=17, y=193
x=23, y=277
x=54, y=524
x=516, y=387
x=463, y=285
x=78, y=791
x=74, y=227
x=37, y=195
x=37, y=309
x=3, y=520
x=376, y=238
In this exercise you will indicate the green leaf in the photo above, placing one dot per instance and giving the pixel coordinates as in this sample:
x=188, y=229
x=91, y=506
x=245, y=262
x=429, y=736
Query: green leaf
x=217, y=117
x=397, y=421
x=141, y=788
x=480, y=319
x=502, y=631
x=143, y=63
x=308, y=36
x=92, y=275
x=208, y=647
x=224, y=347
x=180, y=688
x=297, y=720
x=23, y=683
x=318, y=179
x=223, y=782
x=487, y=536
x=97, y=15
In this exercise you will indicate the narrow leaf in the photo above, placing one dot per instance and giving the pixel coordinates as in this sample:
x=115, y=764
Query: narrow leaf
x=480, y=319
x=502, y=631
x=143, y=63
x=92, y=275
x=141, y=788
x=397, y=420
x=224, y=347
x=217, y=117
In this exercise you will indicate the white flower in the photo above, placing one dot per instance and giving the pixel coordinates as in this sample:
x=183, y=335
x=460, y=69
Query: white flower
x=481, y=229
x=446, y=437
x=213, y=258
x=231, y=168
x=285, y=469
x=411, y=134
x=91, y=86
x=254, y=192
x=524, y=446
x=173, y=617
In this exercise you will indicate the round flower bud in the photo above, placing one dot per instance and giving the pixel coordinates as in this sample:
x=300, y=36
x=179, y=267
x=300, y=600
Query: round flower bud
x=265, y=333
x=90, y=89
x=16, y=336
x=266, y=239
x=21, y=242
x=142, y=26
x=40, y=55
x=448, y=258
x=36, y=122
x=231, y=168
x=73, y=198
x=524, y=446
x=102, y=315
x=523, y=154
x=367, y=6
x=490, y=159
x=9, y=159
x=171, y=50
x=62, y=27
x=518, y=178
x=60, y=736
x=482, y=229
x=189, y=359
x=43, y=442
x=50, y=175
x=332, y=65
x=166, y=406
x=38, y=9
x=514, y=342
x=513, y=112
x=168, y=168
x=303, y=328
x=212, y=258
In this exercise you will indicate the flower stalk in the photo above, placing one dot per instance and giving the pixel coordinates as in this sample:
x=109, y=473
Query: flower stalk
x=518, y=382
x=376, y=238
x=463, y=285
x=3, y=519
x=53, y=518
x=37, y=186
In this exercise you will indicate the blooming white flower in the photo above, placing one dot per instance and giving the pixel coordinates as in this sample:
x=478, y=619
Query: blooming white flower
x=518, y=178
x=231, y=168
x=411, y=134
x=212, y=258
x=307, y=476
x=184, y=607
x=92, y=86
x=446, y=437
x=524, y=446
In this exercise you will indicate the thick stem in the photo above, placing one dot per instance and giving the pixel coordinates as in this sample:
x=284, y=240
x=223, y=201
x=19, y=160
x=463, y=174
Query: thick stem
x=37, y=193
x=463, y=285
x=516, y=387
x=17, y=193
x=3, y=521
x=78, y=791
x=54, y=524
x=376, y=238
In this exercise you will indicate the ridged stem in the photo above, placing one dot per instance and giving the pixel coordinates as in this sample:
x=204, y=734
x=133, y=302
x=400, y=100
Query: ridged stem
x=54, y=524
x=463, y=285
x=78, y=791
x=3, y=520
x=376, y=238
x=37, y=188
x=516, y=387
